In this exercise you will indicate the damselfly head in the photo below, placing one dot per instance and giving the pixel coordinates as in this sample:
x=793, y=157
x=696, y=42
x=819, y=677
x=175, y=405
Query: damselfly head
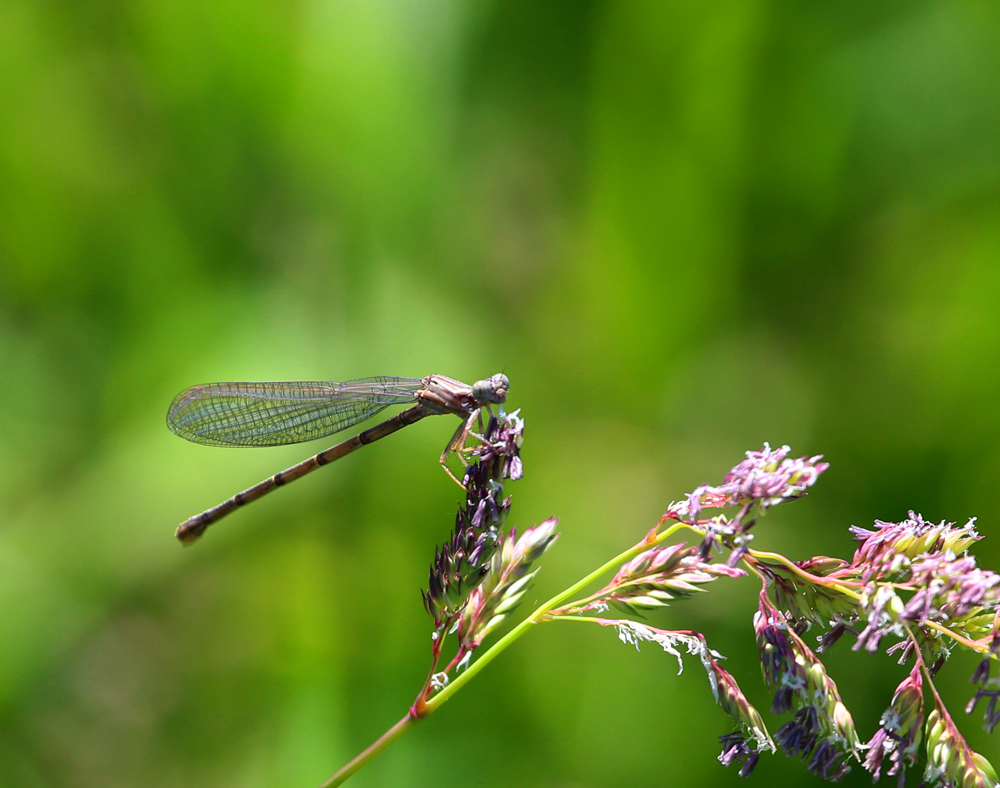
x=492, y=390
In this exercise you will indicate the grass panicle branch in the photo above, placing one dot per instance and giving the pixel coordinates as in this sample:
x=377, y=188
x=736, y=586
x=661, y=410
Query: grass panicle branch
x=912, y=584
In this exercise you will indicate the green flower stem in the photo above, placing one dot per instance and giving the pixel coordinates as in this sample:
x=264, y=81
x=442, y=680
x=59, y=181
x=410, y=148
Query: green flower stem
x=376, y=747
x=540, y=614
x=586, y=619
x=835, y=585
x=918, y=658
x=578, y=603
x=979, y=646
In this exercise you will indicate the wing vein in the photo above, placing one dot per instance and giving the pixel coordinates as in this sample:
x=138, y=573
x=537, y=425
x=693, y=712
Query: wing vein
x=275, y=414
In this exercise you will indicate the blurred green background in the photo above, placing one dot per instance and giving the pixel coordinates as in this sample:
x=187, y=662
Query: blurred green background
x=681, y=229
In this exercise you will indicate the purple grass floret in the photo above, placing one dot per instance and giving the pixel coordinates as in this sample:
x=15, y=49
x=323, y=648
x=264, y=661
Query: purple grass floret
x=889, y=549
x=901, y=729
x=951, y=762
x=763, y=480
x=655, y=578
x=745, y=746
x=766, y=477
x=461, y=563
x=949, y=587
x=739, y=748
x=822, y=730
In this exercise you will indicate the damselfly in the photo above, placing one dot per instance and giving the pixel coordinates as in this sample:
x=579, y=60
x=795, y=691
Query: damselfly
x=275, y=414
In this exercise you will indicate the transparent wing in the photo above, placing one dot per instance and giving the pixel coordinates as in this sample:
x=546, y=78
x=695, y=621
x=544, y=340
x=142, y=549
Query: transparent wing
x=274, y=414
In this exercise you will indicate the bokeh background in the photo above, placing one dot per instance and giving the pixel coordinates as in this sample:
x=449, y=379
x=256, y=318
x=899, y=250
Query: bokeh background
x=682, y=230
